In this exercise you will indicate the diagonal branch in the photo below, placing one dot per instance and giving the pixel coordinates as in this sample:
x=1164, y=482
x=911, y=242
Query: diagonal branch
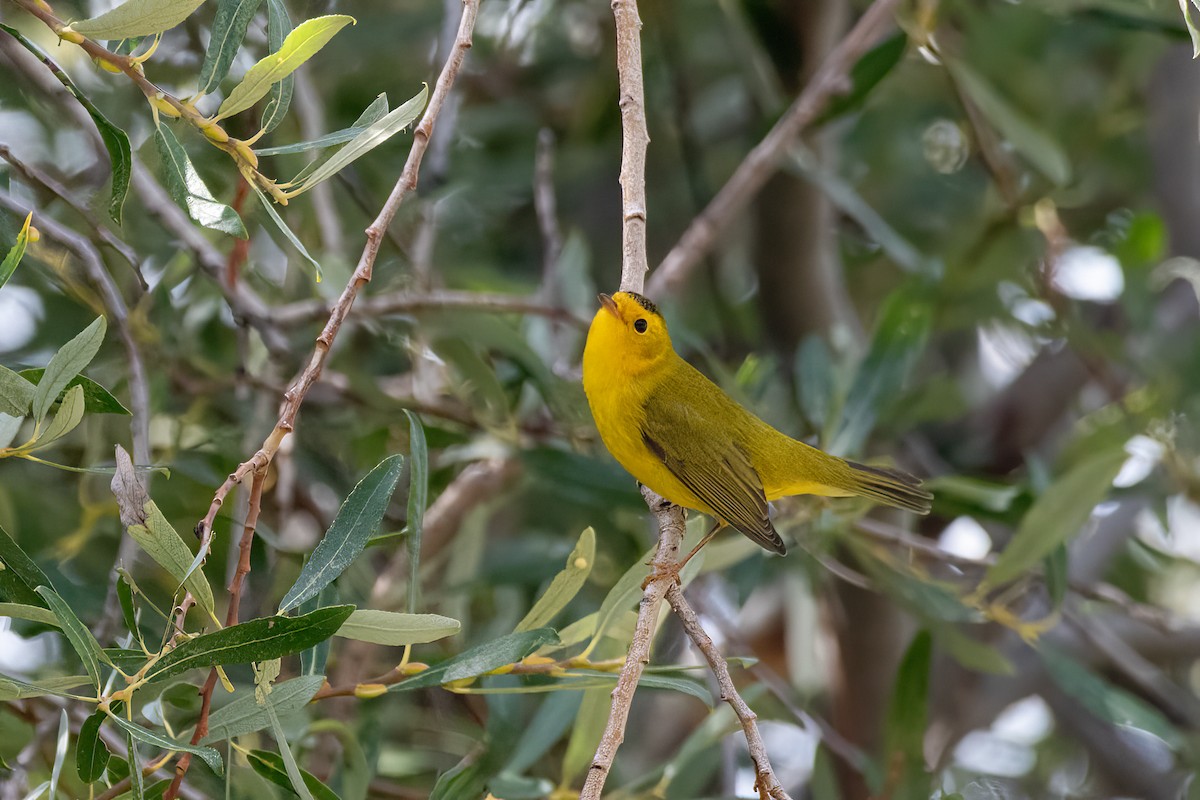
x=762, y=162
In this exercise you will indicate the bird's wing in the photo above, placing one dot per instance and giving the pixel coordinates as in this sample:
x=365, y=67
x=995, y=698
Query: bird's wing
x=714, y=468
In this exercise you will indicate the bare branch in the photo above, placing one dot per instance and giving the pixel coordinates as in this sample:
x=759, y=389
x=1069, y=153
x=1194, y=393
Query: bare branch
x=762, y=162
x=634, y=143
x=670, y=521
x=766, y=782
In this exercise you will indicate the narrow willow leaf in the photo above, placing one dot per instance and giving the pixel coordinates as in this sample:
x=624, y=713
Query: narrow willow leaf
x=13, y=689
x=116, y=142
x=357, y=521
x=246, y=715
x=906, y=722
x=1110, y=703
x=375, y=135
x=91, y=756
x=77, y=634
x=68, y=362
x=479, y=660
x=163, y=543
x=372, y=113
x=256, y=640
x=279, y=25
x=31, y=613
x=19, y=575
x=96, y=399
x=228, y=29
x=1057, y=515
x=66, y=419
x=296, y=777
x=208, y=754
x=299, y=46
x=189, y=190
x=286, y=231
x=465, y=781
x=60, y=752
x=1191, y=27
x=586, y=733
x=271, y=766
x=418, y=498
x=9, y=265
x=897, y=343
x=128, y=610
x=137, y=787
x=565, y=585
x=1032, y=142
x=392, y=628
x=16, y=393
x=136, y=18
x=875, y=65
x=553, y=718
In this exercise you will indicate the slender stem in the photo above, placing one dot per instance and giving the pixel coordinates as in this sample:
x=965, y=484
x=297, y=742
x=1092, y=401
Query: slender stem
x=766, y=781
x=670, y=521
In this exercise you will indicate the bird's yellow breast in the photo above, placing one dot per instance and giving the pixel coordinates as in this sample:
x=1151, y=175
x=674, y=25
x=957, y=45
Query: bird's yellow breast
x=617, y=396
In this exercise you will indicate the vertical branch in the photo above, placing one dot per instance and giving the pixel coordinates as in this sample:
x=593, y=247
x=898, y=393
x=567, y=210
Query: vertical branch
x=635, y=139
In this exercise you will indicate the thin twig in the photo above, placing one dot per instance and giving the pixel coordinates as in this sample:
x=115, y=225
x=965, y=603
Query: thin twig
x=231, y=618
x=670, y=521
x=766, y=782
x=635, y=140
x=403, y=302
x=760, y=163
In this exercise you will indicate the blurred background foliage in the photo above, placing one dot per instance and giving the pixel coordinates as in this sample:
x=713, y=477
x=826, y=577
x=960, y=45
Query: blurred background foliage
x=983, y=269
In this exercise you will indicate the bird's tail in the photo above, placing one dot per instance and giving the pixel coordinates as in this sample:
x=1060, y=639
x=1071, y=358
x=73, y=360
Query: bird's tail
x=888, y=486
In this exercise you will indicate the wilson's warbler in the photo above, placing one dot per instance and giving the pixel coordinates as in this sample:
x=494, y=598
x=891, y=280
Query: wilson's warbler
x=675, y=431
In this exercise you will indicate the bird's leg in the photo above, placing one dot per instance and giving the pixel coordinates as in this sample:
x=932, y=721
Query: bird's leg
x=674, y=570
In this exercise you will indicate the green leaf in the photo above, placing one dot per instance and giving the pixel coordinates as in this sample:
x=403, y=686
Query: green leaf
x=272, y=767
x=906, y=722
x=66, y=419
x=256, y=640
x=481, y=659
x=189, y=190
x=971, y=652
x=297, y=777
x=1030, y=141
x=553, y=718
x=207, y=754
x=136, y=18
x=60, y=753
x=865, y=75
x=31, y=613
x=372, y=113
x=586, y=733
x=245, y=714
x=164, y=544
x=286, y=231
x=77, y=634
x=299, y=46
x=116, y=141
x=466, y=780
x=9, y=265
x=279, y=25
x=68, y=362
x=96, y=399
x=1057, y=515
x=1191, y=27
x=357, y=521
x=19, y=575
x=994, y=497
x=898, y=342
x=418, y=498
x=566, y=584
x=13, y=689
x=1111, y=704
x=228, y=30
x=392, y=628
x=16, y=393
x=128, y=611
x=91, y=755
x=1055, y=569
x=376, y=134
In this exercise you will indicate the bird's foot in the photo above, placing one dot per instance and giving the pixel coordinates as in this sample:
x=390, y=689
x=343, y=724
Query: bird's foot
x=659, y=572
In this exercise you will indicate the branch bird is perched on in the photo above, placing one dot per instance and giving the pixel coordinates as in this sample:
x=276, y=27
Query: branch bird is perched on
x=675, y=431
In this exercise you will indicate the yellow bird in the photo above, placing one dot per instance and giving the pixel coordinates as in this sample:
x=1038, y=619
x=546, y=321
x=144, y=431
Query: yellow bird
x=675, y=431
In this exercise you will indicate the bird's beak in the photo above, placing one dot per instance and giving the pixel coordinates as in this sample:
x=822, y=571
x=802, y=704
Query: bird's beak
x=609, y=304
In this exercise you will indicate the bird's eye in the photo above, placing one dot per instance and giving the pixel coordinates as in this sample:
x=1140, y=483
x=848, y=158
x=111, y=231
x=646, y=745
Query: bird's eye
x=640, y=326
